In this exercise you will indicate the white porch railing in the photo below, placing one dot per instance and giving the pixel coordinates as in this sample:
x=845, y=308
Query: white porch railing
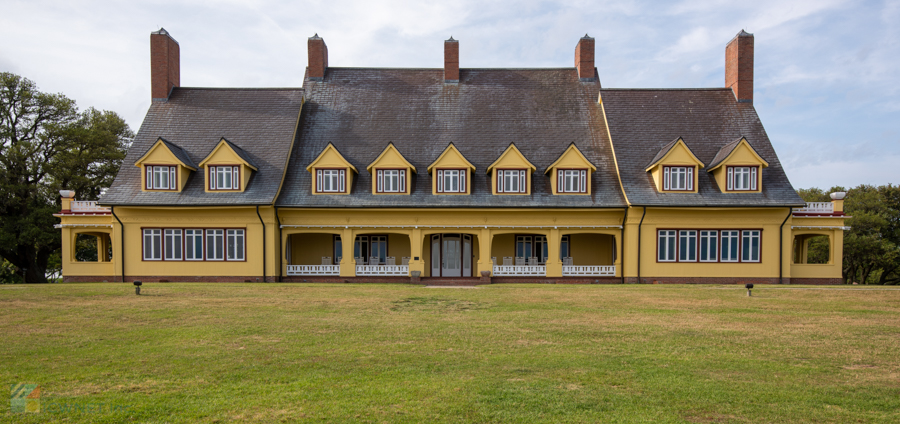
x=520, y=270
x=816, y=207
x=592, y=270
x=394, y=270
x=87, y=206
x=313, y=270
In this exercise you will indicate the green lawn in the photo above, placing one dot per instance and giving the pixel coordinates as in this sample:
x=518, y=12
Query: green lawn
x=398, y=353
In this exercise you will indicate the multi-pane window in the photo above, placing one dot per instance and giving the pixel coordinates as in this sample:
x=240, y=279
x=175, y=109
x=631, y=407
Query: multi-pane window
x=564, y=251
x=193, y=245
x=709, y=242
x=152, y=245
x=524, y=246
x=234, y=245
x=338, y=250
x=364, y=248
x=173, y=246
x=330, y=180
x=161, y=177
x=511, y=181
x=451, y=180
x=215, y=245
x=742, y=178
x=225, y=177
x=678, y=178
x=390, y=181
x=709, y=245
x=378, y=247
x=687, y=246
x=666, y=246
x=571, y=180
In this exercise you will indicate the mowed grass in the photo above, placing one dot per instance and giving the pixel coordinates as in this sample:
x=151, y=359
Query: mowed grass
x=216, y=353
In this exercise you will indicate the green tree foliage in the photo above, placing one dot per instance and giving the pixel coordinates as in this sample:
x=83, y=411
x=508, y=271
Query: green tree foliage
x=872, y=246
x=47, y=145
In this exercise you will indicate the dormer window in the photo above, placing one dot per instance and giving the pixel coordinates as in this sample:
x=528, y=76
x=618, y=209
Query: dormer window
x=224, y=177
x=571, y=180
x=511, y=181
x=161, y=177
x=390, y=180
x=451, y=180
x=742, y=178
x=678, y=178
x=330, y=180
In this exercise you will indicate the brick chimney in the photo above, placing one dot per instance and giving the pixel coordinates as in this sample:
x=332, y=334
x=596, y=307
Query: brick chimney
x=584, y=58
x=165, y=68
x=451, y=60
x=318, y=57
x=739, y=66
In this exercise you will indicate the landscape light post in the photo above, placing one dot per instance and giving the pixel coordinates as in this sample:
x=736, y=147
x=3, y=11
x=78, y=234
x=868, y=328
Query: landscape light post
x=137, y=288
x=749, y=286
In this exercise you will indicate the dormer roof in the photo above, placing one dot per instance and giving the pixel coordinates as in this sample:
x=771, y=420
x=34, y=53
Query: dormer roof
x=451, y=150
x=180, y=154
x=239, y=152
x=668, y=149
x=728, y=150
x=330, y=153
x=390, y=150
x=512, y=151
x=571, y=150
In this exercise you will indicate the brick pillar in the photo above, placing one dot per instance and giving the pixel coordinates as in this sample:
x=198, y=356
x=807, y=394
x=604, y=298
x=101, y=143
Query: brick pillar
x=584, y=58
x=318, y=57
x=739, y=66
x=451, y=60
x=165, y=67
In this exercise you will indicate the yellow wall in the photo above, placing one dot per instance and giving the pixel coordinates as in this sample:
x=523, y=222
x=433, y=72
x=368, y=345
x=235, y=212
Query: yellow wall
x=678, y=156
x=391, y=159
x=570, y=160
x=332, y=160
x=452, y=159
x=223, y=155
x=741, y=156
x=833, y=269
x=160, y=155
x=512, y=159
x=591, y=249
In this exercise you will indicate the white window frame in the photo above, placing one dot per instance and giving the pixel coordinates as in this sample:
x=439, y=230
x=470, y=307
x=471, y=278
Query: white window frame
x=670, y=180
x=390, y=181
x=749, y=251
x=215, y=244
x=571, y=180
x=512, y=181
x=235, y=244
x=191, y=237
x=725, y=246
x=666, y=246
x=173, y=246
x=169, y=173
x=331, y=180
x=742, y=178
x=224, y=177
x=447, y=178
x=152, y=242
x=687, y=246
x=708, y=246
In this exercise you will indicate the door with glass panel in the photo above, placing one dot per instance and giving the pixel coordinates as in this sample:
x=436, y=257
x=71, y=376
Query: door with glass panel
x=451, y=255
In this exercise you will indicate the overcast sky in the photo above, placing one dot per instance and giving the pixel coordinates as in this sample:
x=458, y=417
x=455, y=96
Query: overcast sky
x=827, y=71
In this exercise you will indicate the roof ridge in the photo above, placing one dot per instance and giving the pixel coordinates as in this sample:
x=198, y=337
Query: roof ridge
x=666, y=89
x=241, y=88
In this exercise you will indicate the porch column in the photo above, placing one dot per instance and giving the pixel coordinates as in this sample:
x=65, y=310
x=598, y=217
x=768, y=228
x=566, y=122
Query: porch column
x=416, y=261
x=348, y=262
x=554, y=264
x=485, y=263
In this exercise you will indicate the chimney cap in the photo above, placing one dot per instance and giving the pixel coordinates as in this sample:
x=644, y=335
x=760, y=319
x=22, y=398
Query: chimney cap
x=744, y=34
x=162, y=31
x=451, y=40
x=315, y=37
x=588, y=37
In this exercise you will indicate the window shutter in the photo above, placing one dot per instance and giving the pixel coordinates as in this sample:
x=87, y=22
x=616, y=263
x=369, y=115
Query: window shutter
x=440, y=181
x=212, y=177
x=665, y=178
x=342, y=178
x=379, y=181
x=499, y=181
x=149, y=177
x=462, y=180
x=584, y=181
x=172, y=178
x=730, y=178
x=560, y=181
x=522, y=188
x=236, y=178
x=690, y=179
x=753, y=179
x=402, y=181
x=319, y=180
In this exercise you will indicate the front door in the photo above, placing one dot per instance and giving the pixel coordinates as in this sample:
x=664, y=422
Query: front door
x=451, y=255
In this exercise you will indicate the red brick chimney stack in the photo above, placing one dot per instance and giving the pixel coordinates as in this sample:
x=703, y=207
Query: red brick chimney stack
x=584, y=58
x=318, y=57
x=739, y=66
x=451, y=60
x=165, y=69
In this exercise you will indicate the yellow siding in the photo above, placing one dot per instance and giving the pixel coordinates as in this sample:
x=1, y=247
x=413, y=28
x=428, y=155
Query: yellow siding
x=678, y=156
x=308, y=249
x=451, y=159
x=591, y=249
x=571, y=159
x=741, y=156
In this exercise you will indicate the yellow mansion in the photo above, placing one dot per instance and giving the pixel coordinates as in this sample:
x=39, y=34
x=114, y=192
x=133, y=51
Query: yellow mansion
x=452, y=175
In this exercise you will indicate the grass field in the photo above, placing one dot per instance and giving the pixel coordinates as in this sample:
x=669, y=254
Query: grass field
x=218, y=353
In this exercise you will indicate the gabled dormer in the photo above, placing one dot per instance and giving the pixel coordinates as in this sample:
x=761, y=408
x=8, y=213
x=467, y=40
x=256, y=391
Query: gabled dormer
x=227, y=168
x=571, y=172
x=675, y=168
x=391, y=172
x=451, y=173
x=737, y=168
x=165, y=167
x=331, y=173
x=511, y=172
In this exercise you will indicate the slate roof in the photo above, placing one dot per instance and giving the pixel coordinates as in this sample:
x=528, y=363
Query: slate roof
x=179, y=153
x=725, y=151
x=642, y=121
x=240, y=152
x=361, y=110
x=261, y=121
x=664, y=151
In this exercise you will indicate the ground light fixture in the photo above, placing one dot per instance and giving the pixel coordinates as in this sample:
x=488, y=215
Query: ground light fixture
x=137, y=288
x=748, y=286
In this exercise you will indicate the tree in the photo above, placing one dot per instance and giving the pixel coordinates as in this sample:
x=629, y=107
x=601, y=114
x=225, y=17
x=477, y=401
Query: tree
x=47, y=145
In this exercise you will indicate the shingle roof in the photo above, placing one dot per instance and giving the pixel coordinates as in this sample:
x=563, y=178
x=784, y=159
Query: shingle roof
x=725, y=151
x=664, y=151
x=241, y=153
x=179, y=153
x=360, y=110
x=263, y=121
x=642, y=121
